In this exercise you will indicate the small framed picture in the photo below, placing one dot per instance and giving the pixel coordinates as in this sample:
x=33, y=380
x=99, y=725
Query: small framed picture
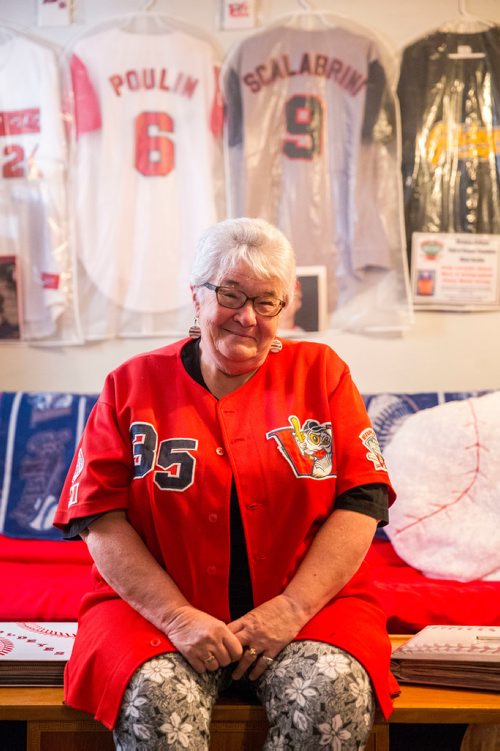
x=9, y=298
x=308, y=311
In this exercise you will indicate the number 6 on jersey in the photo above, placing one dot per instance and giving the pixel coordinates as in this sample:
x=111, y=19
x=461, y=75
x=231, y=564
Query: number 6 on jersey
x=154, y=151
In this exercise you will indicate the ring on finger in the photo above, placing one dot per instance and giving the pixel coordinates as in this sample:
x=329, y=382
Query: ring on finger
x=208, y=659
x=252, y=651
x=267, y=659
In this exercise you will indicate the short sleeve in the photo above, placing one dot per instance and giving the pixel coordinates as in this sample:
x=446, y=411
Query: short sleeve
x=102, y=468
x=358, y=457
x=86, y=104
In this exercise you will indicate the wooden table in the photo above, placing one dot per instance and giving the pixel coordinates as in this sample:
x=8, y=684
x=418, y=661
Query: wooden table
x=236, y=726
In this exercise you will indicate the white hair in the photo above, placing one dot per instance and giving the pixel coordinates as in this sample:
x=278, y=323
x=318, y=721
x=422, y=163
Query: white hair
x=257, y=243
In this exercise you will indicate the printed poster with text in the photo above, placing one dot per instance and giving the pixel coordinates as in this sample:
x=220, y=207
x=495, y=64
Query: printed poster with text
x=455, y=271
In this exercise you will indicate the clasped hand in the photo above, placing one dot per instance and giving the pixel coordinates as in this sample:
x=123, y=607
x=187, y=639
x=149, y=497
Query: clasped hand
x=208, y=643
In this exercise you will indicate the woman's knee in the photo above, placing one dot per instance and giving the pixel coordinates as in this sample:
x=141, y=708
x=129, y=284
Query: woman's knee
x=317, y=695
x=166, y=705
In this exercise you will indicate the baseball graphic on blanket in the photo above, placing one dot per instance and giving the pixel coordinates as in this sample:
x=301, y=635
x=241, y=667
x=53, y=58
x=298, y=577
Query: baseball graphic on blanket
x=444, y=463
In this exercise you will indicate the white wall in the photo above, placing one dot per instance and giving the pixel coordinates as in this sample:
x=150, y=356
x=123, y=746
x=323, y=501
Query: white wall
x=453, y=351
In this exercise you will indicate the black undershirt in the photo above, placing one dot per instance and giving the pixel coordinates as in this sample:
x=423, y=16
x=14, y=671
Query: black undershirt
x=240, y=583
x=370, y=499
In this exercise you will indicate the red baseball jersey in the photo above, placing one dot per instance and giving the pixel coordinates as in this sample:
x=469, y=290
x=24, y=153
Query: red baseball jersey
x=159, y=445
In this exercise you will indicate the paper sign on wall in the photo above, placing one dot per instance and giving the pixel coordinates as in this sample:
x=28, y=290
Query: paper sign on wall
x=55, y=12
x=238, y=15
x=455, y=271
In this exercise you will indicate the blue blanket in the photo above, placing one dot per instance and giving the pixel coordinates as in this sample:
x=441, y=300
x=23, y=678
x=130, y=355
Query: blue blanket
x=38, y=436
x=387, y=411
x=39, y=432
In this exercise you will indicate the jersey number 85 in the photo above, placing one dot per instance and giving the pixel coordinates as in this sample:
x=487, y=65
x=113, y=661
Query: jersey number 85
x=176, y=464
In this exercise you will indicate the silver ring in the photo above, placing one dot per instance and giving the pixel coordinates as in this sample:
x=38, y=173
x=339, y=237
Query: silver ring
x=269, y=660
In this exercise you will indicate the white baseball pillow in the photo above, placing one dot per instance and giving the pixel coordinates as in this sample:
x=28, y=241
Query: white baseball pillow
x=444, y=463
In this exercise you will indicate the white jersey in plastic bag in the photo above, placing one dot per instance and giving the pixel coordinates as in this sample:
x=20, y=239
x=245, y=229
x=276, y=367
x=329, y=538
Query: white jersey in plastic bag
x=145, y=174
x=311, y=145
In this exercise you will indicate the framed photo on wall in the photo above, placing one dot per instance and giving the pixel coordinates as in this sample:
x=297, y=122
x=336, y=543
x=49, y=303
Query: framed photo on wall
x=9, y=299
x=308, y=312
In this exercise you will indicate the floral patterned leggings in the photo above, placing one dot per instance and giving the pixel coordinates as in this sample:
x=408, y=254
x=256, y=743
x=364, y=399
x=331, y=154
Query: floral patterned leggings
x=315, y=695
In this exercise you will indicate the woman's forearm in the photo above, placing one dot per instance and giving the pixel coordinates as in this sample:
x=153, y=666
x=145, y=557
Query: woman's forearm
x=333, y=558
x=128, y=567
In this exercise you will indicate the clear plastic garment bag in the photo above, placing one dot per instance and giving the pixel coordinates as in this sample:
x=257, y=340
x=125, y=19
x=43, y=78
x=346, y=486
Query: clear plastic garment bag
x=311, y=144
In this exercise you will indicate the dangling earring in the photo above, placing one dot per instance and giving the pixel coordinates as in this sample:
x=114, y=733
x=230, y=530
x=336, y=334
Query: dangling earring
x=276, y=346
x=194, y=330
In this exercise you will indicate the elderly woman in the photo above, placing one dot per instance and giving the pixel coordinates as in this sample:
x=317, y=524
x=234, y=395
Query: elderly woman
x=228, y=487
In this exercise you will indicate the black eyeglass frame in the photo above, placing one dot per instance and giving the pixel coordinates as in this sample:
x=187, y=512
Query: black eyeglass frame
x=215, y=288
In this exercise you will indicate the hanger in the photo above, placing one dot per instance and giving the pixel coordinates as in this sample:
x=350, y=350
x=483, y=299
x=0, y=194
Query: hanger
x=146, y=20
x=467, y=23
x=307, y=10
x=464, y=13
x=306, y=5
x=309, y=17
x=10, y=31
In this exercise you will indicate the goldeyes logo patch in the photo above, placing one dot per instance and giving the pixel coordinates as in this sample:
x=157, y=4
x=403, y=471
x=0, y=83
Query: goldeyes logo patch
x=374, y=454
x=308, y=448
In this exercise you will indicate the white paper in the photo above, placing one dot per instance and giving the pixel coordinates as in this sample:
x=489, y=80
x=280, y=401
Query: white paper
x=36, y=641
x=236, y=14
x=455, y=271
x=55, y=12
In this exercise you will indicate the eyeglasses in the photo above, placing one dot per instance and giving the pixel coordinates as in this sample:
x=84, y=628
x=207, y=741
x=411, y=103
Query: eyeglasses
x=232, y=298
